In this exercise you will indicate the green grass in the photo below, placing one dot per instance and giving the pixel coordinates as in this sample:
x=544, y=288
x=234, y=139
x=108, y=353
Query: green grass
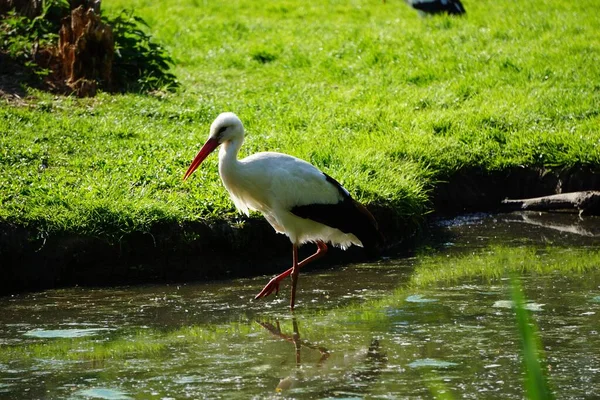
x=536, y=375
x=385, y=101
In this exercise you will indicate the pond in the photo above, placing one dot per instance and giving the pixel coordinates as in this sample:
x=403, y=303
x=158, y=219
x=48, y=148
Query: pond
x=440, y=323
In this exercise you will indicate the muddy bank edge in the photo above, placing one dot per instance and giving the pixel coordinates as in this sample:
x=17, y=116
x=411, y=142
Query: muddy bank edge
x=30, y=260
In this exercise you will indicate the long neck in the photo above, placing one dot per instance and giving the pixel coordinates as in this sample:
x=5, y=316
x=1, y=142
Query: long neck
x=228, y=155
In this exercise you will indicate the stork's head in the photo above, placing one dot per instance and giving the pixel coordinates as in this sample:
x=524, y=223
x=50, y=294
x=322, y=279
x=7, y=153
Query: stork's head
x=225, y=128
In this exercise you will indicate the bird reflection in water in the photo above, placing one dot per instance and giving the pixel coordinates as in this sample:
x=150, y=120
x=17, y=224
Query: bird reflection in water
x=366, y=366
x=295, y=339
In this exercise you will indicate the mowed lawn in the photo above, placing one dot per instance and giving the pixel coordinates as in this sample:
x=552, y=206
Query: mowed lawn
x=385, y=101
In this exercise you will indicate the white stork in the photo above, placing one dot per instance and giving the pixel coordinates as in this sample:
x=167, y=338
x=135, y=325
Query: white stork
x=295, y=197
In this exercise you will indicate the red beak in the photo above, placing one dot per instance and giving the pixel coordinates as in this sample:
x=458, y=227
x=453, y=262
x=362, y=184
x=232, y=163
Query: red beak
x=210, y=145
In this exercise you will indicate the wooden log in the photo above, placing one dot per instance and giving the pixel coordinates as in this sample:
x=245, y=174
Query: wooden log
x=587, y=202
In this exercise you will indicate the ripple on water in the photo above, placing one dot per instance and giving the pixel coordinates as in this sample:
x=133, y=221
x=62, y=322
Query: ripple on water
x=417, y=298
x=431, y=363
x=64, y=333
x=510, y=304
x=102, y=393
x=5, y=387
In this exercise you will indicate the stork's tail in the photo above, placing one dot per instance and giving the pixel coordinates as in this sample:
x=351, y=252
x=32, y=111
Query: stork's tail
x=367, y=231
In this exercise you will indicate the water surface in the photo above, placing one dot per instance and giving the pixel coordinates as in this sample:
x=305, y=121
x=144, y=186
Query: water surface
x=398, y=328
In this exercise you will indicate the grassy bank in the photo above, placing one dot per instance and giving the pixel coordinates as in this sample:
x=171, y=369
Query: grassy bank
x=385, y=101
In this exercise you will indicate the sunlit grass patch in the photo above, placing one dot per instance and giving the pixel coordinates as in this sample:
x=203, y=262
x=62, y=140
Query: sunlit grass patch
x=384, y=101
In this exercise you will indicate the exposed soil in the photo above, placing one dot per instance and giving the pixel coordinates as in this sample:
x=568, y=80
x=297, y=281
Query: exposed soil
x=226, y=249
x=476, y=190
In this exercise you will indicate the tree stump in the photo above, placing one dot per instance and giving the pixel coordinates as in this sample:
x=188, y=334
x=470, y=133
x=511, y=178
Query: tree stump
x=86, y=51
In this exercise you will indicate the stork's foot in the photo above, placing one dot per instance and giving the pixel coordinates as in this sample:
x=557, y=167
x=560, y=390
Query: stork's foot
x=273, y=285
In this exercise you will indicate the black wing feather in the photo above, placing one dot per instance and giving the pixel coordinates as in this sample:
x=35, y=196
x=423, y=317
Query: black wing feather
x=348, y=215
x=453, y=7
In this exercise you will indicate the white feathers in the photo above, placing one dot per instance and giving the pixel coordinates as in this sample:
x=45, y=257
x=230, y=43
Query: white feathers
x=275, y=183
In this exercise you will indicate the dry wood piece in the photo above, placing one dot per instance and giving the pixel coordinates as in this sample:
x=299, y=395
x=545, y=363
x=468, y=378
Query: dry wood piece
x=86, y=50
x=587, y=202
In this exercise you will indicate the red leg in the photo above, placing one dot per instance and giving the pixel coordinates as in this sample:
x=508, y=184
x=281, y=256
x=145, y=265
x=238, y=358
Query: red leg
x=273, y=284
x=295, y=272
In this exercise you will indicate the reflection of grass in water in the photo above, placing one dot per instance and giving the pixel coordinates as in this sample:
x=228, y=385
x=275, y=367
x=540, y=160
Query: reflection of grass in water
x=141, y=344
x=498, y=262
x=83, y=348
x=495, y=263
x=501, y=261
x=536, y=381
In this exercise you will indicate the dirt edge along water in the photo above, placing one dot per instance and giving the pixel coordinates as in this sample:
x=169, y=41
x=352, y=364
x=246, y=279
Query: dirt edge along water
x=224, y=249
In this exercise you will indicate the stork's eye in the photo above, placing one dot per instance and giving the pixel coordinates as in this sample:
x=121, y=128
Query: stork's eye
x=221, y=130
